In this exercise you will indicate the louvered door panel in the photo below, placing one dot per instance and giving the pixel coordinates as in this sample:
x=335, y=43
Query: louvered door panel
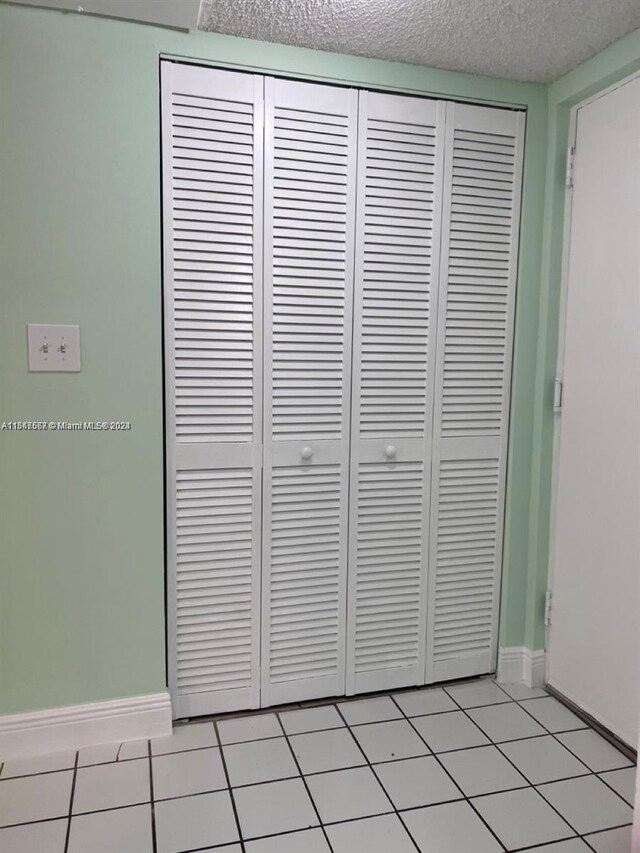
x=397, y=244
x=306, y=566
x=466, y=556
x=214, y=520
x=483, y=164
x=390, y=569
x=309, y=212
x=212, y=189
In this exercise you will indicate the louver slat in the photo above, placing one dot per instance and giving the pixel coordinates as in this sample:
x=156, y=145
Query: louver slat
x=397, y=242
x=389, y=571
x=309, y=210
x=212, y=268
x=212, y=188
x=305, y=573
x=466, y=557
x=483, y=162
x=214, y=580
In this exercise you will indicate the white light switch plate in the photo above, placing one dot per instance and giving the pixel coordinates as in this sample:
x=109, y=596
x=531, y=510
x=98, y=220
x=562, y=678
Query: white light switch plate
x=53, y=347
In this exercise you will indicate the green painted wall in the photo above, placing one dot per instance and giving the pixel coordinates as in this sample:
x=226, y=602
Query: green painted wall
x=608, y=67
x=81, y=514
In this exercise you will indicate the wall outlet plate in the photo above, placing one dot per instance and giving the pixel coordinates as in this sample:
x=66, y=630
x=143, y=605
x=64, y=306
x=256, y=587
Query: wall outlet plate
x=53, y=348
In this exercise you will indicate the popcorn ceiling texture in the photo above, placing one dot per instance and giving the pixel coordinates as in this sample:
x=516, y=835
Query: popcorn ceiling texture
x=527, y=40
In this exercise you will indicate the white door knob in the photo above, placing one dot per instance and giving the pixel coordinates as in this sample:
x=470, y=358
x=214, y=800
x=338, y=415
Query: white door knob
x=306, y=453
x=390, y=452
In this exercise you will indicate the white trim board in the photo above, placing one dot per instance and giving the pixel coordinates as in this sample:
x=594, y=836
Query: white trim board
x=519, y=664
x=75, y=726
x=588, y=710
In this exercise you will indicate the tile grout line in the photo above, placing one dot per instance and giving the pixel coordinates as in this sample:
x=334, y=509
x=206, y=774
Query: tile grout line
x=277, y=737
x=500, y=747
x=545, y=844
x=592, y=772
x=606, y=829
x=445, y=770
x=534, y=847
x=373, y=766
x=589, y=845
x=229, y=788
x=92, y=812
x=386, y=814
x=584, y=838
x=469, y=717
x=73, y=791
x=582, y=728
x=87, y=766
x=304, y=782
x=366, y=758
x=285, y=832
x=152, y=803
x=330, y=823
x=577, y=757
x=599, y=773
x=323, y=773
x=225, y=844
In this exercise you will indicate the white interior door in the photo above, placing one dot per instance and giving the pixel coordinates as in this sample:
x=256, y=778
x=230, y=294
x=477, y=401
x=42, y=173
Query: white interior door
x=594, y=658
x=212, y=188
x=310, y=170
x=480, y=223
x=397, y=248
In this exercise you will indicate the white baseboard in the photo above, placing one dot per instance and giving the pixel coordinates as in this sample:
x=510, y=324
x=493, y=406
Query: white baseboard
x=75, y=726
x=520, y=664
x=510, y=661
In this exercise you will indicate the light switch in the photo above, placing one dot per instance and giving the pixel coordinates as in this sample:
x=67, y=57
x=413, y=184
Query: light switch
x=54, y=348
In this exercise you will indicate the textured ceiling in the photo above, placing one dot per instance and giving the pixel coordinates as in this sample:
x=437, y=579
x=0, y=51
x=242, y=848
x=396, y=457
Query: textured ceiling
x=534, y=40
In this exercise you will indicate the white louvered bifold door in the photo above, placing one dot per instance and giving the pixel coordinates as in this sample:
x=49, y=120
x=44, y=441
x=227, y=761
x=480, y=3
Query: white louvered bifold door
x=397, y=242
x=310, y=137
x=212, y=179
x=483, y=165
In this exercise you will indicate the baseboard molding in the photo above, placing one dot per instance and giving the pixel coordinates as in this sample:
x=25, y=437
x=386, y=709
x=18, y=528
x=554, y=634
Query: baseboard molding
x=75, y=726
x=624, y=742
x=520, y=664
